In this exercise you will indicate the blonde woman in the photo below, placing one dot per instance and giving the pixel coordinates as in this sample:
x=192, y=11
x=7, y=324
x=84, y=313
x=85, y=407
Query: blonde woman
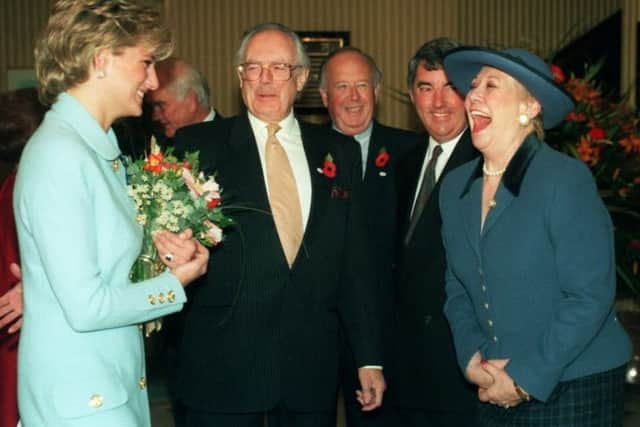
x=81, y=356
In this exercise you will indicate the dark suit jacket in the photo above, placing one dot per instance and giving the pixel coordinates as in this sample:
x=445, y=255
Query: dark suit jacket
x=258, y=333
x=381, y=201
x=425, y=373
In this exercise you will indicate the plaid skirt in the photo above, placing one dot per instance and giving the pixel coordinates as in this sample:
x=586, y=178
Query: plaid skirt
x=592, y=401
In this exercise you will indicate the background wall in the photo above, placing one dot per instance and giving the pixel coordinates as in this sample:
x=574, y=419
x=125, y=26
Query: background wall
x=208, y=32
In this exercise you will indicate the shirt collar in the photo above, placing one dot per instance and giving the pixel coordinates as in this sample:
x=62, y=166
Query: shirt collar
x=447, y=146
x=362, y=137
x=105, y=144
x=288, y=125
x=210, y=116
x=516, y=169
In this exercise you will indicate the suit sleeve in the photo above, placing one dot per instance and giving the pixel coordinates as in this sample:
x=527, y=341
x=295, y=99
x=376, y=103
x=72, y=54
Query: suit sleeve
x=581, y=231
x=57, y=209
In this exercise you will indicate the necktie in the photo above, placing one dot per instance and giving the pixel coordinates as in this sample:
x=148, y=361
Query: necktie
x=283, y=195
x=428, y=182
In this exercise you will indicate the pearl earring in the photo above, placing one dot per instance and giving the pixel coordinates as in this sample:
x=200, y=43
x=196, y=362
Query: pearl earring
x=523, y=119
x=101, y=74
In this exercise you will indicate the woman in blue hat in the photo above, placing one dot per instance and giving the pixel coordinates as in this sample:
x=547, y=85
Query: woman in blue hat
x=531, y=270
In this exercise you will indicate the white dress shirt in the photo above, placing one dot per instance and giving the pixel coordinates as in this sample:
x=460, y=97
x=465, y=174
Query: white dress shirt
x=291, y=141
x=363, y=138
x=210, y=116
x=447, y=149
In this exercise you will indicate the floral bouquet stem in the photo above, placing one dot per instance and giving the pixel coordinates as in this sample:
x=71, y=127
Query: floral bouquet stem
x=172, y=195
x=147, y=266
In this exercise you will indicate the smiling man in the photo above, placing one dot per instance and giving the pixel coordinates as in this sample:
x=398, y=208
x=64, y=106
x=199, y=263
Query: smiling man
x=261, y=341
x=428, y=388
x=349, y=87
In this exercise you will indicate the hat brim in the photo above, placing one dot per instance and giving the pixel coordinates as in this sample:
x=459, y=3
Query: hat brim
x=463, y=64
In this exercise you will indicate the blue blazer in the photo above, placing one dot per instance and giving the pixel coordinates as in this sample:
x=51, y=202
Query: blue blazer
x=536, y=285
x=81, y=357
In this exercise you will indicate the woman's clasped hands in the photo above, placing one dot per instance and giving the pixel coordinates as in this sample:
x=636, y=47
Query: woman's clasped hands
x=494, y=383
x=182, y=254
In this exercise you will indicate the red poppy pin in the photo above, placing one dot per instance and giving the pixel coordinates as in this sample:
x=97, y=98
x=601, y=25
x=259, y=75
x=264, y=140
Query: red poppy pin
x=382, y=159
x=328, y=167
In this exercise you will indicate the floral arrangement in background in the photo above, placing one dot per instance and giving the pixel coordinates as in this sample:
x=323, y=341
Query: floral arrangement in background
x=603, y=132
x=172, y=195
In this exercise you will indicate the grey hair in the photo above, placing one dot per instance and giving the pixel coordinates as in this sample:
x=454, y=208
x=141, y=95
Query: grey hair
x=301, y=53
x=430, y=56
x=376, y=73
x=184, y=77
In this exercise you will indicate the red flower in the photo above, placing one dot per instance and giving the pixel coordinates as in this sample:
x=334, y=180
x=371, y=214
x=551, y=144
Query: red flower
x=382, y=158
x=213, y=203
x=329, y=167
x=596, y=133
x=558, y=74
x=576, y=117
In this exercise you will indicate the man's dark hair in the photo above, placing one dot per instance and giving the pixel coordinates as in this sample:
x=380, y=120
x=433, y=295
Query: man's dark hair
x=430, y=56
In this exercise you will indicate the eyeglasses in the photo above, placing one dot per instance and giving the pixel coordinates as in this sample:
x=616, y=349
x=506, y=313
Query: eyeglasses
x=252, y=71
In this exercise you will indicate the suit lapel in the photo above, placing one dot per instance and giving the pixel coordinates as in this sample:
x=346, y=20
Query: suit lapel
x=503, y=198
x=244, y=157
x=315, y=151
x=470, y=212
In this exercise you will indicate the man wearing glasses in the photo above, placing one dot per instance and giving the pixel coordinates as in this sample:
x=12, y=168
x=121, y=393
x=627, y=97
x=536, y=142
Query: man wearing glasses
x=261, y=338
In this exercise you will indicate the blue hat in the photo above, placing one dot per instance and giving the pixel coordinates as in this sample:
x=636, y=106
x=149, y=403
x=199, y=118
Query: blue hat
x=463, y=64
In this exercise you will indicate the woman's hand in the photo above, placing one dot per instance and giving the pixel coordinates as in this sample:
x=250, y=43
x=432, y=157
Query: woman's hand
x=186, y=257
x=196, y=267
x=11, y=303
x=175, y=249
x=503, y=391
x=477, y=374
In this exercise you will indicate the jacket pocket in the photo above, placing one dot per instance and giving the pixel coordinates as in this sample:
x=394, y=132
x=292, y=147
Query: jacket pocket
x=92, y=394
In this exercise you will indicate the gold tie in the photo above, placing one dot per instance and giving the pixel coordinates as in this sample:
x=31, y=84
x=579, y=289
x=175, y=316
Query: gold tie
x=283, y=195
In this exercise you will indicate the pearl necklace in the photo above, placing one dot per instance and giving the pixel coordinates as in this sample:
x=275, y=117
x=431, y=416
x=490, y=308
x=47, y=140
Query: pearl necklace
x=488, y=172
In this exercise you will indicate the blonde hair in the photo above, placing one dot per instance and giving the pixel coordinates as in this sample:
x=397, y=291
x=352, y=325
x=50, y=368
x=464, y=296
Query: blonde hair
x=78, y=29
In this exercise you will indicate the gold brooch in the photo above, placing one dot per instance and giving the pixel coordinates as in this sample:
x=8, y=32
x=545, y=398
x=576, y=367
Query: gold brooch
x=115, y=165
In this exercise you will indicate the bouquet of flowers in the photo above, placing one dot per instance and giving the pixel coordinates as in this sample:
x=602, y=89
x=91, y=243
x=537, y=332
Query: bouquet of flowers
x=172, y=195
x=603, y=133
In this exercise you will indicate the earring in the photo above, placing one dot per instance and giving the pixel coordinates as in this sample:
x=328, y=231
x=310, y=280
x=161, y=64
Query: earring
x=523, y=119
x=101, y=74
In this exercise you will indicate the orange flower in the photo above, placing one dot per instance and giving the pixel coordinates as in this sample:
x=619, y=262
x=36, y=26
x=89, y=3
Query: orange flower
x=631, y=144
x=576, y=117
x=588, y=152
x=154, y=162
x=583, y=91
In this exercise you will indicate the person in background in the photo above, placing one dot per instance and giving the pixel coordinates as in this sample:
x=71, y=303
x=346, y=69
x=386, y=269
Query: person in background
x=20, y=114
x=531, y=273
x=182, y=98
x=261, y=339
x=427, y=388
x=349, y=87
x=81, y=356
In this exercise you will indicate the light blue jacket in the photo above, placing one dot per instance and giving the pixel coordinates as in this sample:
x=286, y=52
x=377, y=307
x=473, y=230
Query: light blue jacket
x=81, y=356
x=537, y=284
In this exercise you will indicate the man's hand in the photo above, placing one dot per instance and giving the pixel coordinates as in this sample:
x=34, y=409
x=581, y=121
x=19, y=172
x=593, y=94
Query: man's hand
x=372, y=388
x=11, y=303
